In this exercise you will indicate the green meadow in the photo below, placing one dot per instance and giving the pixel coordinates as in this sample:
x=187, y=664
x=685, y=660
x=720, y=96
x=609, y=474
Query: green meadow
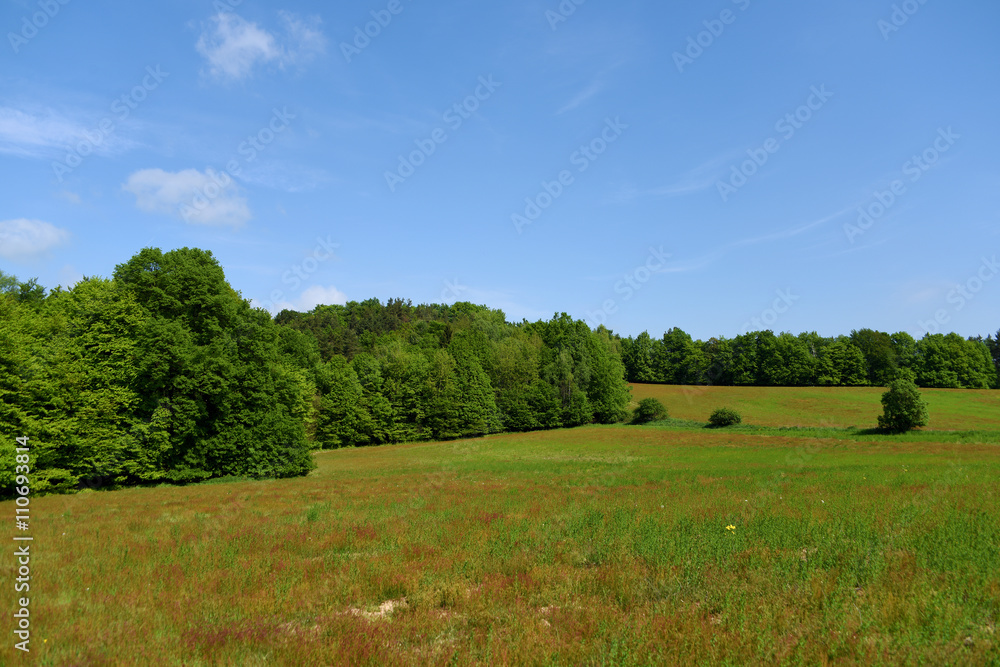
x=600, y=545
x=950, y=409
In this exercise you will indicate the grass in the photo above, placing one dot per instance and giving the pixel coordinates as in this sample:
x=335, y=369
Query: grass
x=602, y=545
x=950, y=409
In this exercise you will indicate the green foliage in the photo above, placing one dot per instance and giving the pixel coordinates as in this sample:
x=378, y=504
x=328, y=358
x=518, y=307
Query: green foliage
x=649, y=410
x=14, y=363
x=905, y=348
x=343, y=418
x=459, y=371
x=83, y=388
x=719, y=361
x=949, y=361
x=162, y=374
x=165, y=374
x=475, y=400
x=841, y=363
x=607, y=392
x=219, y=393
x=761, y=358
x=678, y=359
x=880, y=355
x=29, y=293
x=7, y=463
x=637, y=356
x=903, y=409
x=993, y=345
x=722, y=417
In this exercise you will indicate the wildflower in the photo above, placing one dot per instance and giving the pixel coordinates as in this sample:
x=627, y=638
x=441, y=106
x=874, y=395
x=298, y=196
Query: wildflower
x=730, y=527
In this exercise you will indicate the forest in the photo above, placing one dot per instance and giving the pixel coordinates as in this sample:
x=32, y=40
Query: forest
x=164, y=373
x=763, y=358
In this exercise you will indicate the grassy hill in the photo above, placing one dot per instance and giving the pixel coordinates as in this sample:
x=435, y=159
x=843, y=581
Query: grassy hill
x=950, y=409
x=620, y=545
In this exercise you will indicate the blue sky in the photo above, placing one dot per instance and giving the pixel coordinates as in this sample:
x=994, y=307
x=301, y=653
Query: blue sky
x=718, y=166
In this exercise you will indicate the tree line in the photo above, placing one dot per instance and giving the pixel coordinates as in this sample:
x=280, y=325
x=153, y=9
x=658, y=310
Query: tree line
x=164, y=373
x=763, y=358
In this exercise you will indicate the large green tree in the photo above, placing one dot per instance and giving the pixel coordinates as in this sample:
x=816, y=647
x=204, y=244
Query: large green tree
x=993, y=345
x=638, y=355
x=218, y=397
x=903, y=408
x=880, y=355
x=607, y=392
x=343, y=420
x=678, y=359
x=476, y=401
x=841, y=363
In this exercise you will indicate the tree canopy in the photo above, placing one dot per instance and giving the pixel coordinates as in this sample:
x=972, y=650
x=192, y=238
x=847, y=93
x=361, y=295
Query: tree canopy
x=761, y=358
x=164, y=373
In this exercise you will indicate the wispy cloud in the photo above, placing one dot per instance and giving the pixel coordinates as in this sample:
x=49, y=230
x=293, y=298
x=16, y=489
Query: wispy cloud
x=597, y=86
x=23, y=239
x=316, y=295
x=718, y=253
x=454, y=292
x=281, y=175
x=697, y=179
x=590, y=91
x=305, y=39
x=44, y=133
x=233, y=46
x=791, y=231
x=860, y=248
x=70, y=196
x=197, y=197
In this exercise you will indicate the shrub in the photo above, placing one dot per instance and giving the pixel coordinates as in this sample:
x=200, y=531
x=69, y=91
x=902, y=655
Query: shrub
x=649, y=410
x=902, y=407
x=724, y=417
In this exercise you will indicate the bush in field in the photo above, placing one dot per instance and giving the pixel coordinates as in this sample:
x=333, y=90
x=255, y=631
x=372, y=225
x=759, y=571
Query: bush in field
x=902, y=407
x=649, y=410
x=724, y=417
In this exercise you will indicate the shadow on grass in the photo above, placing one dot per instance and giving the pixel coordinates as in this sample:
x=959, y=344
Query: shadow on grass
x=877, y=431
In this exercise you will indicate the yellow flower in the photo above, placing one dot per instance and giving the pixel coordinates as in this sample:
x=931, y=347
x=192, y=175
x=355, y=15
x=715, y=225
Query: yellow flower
x=730, y=527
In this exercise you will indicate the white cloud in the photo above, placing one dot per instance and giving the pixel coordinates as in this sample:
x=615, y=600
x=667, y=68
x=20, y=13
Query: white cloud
x=234, y=46
x=43, y=133
x=309, y=298
x=318, y=295
x=286, y=176
x=69, y=196
x=581, y=97
x=305, y=38
x=207, y=198
x=23, y=239
x=700, y=178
